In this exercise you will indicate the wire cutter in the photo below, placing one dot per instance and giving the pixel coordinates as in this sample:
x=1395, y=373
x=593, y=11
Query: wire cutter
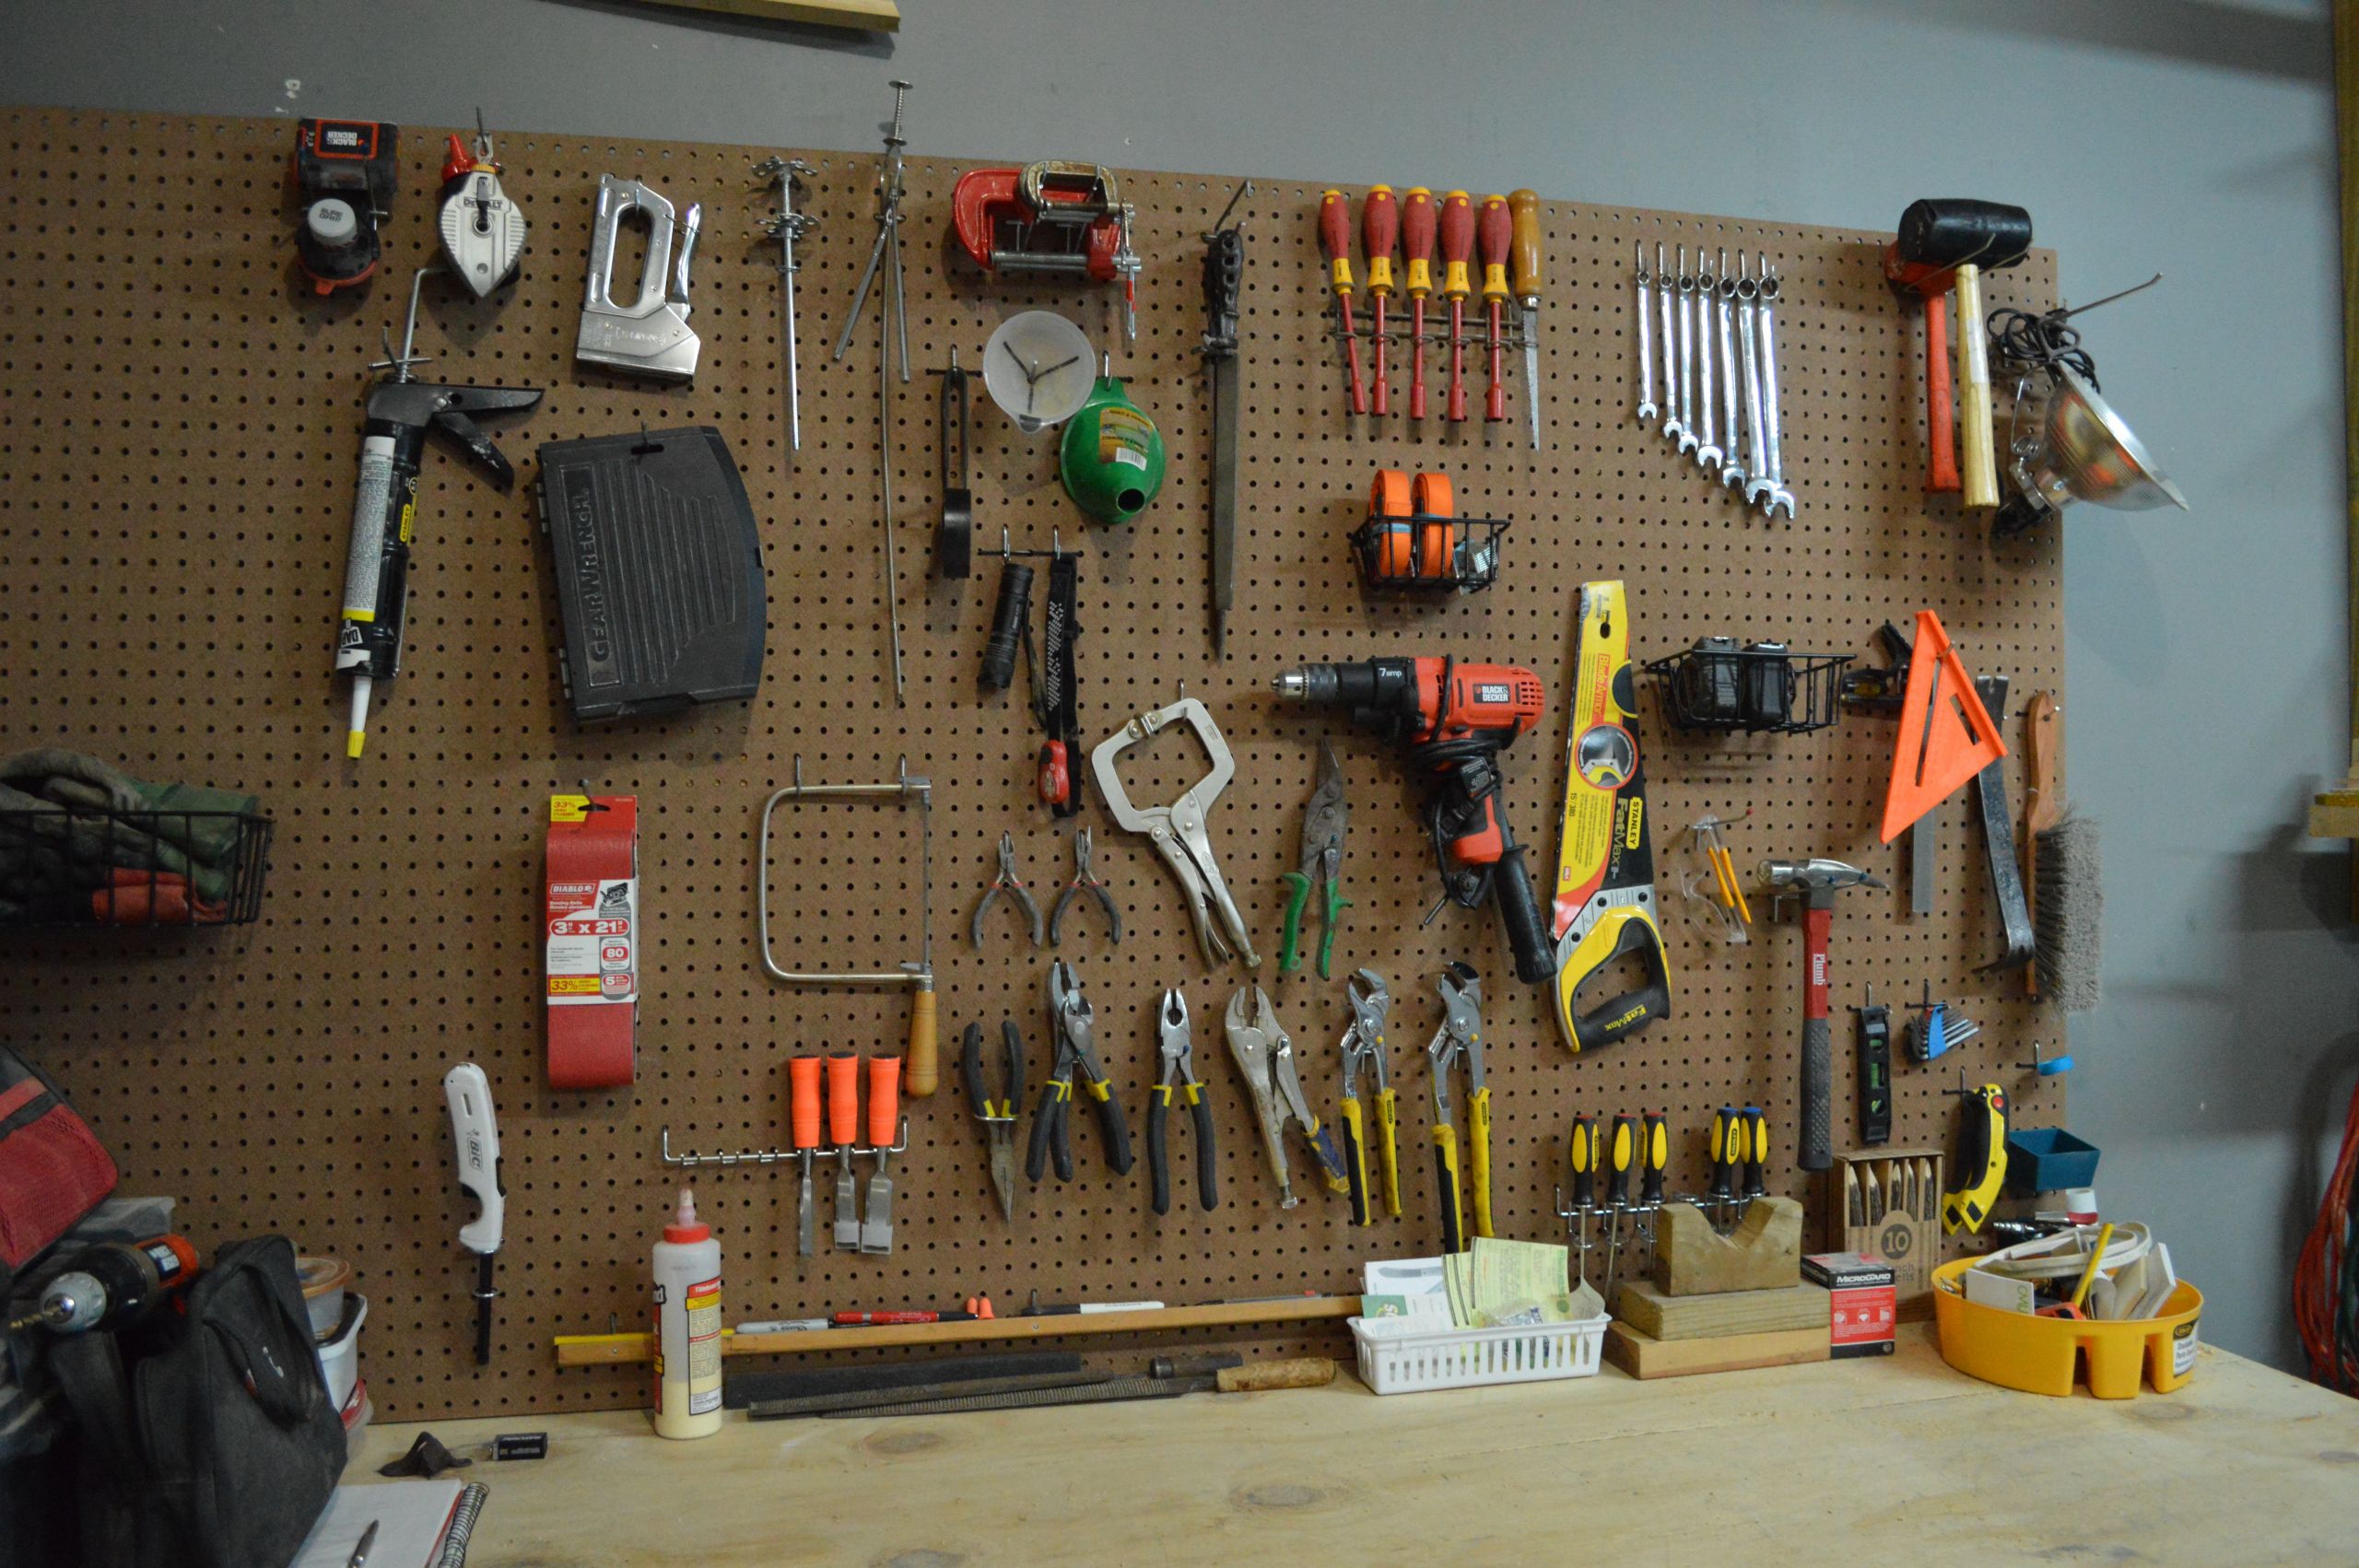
x=1364, y=1044
x=1264, y=1054
x=1083, y=877
x=1178, y=829
x=998, y=1117
x=1052, y=1119
x=1178, y=1062
x=1460, y=1035
x=1324, y=818
x=1006, y=882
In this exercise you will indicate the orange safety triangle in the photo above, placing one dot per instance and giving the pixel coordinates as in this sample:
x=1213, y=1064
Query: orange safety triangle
x=1946, y=735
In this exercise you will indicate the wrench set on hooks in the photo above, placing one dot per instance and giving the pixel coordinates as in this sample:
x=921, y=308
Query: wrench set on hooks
x=1712, y=331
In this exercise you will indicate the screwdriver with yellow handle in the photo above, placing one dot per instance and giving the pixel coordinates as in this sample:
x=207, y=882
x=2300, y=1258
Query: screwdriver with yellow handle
x=1457, y=249
x=1654, y=1154
x=1492, y=231
x=1380, y=232
x=1756, y=1151
x=1417, y=249
x=1728, y=1156
x=1621, y=1149
x=1525, y=254
x=1336, y=243
x=1583, y=1155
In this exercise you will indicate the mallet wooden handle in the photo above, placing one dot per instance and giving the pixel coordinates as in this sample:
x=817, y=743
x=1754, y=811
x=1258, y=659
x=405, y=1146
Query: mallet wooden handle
x=921, y=1072
x=1978, y=463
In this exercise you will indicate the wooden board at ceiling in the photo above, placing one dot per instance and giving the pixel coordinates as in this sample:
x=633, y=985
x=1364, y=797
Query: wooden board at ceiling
x=179, y=431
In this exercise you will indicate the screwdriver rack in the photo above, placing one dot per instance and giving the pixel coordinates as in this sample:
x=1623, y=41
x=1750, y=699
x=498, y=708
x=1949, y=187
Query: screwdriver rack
x=781, y=1156
x=395, y=940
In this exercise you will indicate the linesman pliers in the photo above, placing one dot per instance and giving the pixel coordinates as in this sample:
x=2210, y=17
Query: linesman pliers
x=1324, y=818
x=1461, y=1036
x=1265, y=1056
x=1179, y=1074
x=1009, y=883
x=1364, y=1045
x=1052, y=1121
x=1083, y=877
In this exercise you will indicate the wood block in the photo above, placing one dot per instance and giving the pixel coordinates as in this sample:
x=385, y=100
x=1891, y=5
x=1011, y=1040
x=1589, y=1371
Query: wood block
x=1644, y=1306
x=1763, y=1253
x=1644, y=1356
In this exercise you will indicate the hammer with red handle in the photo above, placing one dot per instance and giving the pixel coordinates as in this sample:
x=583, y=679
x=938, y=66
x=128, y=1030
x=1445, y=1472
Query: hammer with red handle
x=1946, y=245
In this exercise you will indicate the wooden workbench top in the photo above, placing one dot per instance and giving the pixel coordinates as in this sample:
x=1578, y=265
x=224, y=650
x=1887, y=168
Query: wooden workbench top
x=1900, y=1461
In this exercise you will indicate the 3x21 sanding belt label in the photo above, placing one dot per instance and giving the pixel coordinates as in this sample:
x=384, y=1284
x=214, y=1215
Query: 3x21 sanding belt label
x=591, y=958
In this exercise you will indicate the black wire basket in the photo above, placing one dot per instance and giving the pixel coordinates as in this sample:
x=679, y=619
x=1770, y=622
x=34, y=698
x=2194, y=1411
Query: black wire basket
x=1759, y=688
x=70, y=866
x=1421, y=552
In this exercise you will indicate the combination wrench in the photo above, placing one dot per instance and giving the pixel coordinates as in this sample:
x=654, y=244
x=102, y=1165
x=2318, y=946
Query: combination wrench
x=1686, y=354
x=1671, y=427
x=1776, y=495
x=1708, y=450
x=1646, y=334
x=1723, y=308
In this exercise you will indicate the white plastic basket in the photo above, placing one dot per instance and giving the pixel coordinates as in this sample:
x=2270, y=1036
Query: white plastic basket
x=1397, y=1358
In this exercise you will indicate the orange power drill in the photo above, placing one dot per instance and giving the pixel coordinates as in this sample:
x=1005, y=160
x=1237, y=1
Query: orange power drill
x=1454, y=719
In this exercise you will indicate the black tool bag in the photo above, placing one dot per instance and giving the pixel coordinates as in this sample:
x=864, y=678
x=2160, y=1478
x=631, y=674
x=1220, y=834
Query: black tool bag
x=207, y=1439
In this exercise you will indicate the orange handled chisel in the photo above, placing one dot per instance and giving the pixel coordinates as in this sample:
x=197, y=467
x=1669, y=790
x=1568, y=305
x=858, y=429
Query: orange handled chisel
x=803, y=1118
x=883, y=1131
x=1380, y=231
x=843, y=1131
x=1417, y=249
x=1336, y=243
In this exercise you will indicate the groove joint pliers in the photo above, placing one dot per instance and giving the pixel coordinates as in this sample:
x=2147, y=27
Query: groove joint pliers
x=1363, y=1045
x=1461, y=1038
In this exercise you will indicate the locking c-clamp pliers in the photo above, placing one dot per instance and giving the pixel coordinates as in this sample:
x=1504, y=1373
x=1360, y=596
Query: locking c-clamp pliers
x=1178, y=829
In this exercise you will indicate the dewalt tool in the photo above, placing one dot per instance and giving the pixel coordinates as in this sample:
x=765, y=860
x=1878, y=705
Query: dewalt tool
x=803, y=1121
x=1084, y=878
x=1178, y=830
x=650, y=337
x=1525, y=252
x=1324, y=820
x=1982, y=1166
x=1418, y=250
x=998, y=1117
x=345, y=174
x=1457, y=224
x=385, y=505
x=1009, y=883
x=1454, y=719
x=843, y=1131
x=1816, y=881
x=1494, y=229
x=1871, y=1023
x=483, y=231
x=884, y=1140
x=1050, y=218
x=1224, y=291
x=1335, y=244
x=1621, y=1153
x=1604, y=907
x=1379, y=234
x=1072, y=1016
x=1177, y=1048
x=1263, y=1053
x=1460, y=1038
x=1363, y=1045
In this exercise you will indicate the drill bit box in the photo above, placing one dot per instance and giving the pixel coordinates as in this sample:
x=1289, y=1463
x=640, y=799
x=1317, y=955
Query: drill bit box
x=1886, y=1203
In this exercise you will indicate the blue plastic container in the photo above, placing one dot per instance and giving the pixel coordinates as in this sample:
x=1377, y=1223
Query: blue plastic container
x=2048, y=1159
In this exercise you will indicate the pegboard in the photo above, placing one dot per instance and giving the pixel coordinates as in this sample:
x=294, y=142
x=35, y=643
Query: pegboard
x=180, y=423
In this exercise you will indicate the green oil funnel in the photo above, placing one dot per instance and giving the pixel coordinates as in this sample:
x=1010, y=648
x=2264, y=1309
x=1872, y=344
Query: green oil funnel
x=1111, y=458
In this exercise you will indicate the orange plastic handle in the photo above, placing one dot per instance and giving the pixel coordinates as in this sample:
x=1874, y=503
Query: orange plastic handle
x=1494, y=231
x=843, y=1098
x=884, y=1101
x=1525, y=206
x=1457, y=242
x=1417, y=239
x=1335, y=239
x=1380, y=233
x=803, y=1099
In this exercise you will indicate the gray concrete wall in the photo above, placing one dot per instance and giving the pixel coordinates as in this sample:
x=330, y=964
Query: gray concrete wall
x=2208, y=673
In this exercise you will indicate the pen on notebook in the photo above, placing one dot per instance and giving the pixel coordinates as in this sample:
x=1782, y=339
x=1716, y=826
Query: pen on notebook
x=361, y=1553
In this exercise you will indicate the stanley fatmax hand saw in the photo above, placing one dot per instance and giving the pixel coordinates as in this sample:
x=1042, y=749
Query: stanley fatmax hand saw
x=1605, y=871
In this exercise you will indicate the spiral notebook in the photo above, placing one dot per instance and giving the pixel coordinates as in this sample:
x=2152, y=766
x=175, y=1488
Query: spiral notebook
x=420, y=1524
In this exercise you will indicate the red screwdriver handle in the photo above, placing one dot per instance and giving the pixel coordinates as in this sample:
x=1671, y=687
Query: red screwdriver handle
x=1417, y=248
x=1457, y=249
x=1380, y=233
x=1335, y=244
x=1494, y=228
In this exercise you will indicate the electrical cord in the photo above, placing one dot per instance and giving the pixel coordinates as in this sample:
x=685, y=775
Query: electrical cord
x=2326, y=1278
x=2041, y=342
